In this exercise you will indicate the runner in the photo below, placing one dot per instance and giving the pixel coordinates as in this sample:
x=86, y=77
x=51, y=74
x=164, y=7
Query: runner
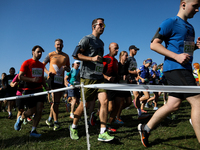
x=132, y=79
x=32, y=73
x=2, y=92
x=155, y=79
x=58, y=63
x=10, y=91
x=144, y=77
x=90, y=51
x=126, y=99
x=110, y=73
x=179, y=36
x=73, y=93
x=196, y=72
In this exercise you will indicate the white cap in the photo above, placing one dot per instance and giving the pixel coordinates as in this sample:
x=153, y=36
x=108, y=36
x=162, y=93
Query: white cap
x=76, y=61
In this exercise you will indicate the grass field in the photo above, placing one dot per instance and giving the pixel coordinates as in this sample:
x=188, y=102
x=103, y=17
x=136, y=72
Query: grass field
x=170, y=134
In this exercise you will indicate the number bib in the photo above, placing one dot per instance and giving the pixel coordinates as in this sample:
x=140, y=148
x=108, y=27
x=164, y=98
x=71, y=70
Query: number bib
x=58, y=79
x=98, y=69
x=37, y=72
x=189, y=47
x=9, y=81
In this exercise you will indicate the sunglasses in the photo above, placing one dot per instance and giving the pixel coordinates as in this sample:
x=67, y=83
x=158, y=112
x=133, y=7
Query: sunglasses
x=100, y=24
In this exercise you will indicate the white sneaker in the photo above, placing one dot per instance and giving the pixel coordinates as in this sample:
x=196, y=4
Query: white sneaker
x=155, y=108
x=190, y=120
x=71, y=115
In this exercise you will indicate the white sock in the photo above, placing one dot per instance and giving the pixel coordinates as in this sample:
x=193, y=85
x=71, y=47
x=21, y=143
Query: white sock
x=74, y=126
x=33, y=128
x=9, y=113
x=139, y=111
x=102, y=130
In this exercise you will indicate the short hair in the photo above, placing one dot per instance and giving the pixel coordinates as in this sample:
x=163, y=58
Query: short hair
x=196, y=65
x=95, y=20
x=59, y=40
x=121, y=54
x=37, y=46
x=3, y=73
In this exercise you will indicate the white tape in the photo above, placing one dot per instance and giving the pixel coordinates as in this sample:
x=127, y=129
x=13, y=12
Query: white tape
x=40, y=93
x=122, y=87
x=149, y=88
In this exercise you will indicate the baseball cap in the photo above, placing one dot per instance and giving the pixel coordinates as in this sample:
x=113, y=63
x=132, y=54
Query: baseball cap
x=133, y=47
x=76, y=61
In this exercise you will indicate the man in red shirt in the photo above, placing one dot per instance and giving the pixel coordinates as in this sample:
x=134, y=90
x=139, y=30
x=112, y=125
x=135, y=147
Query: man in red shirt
x=32, y=72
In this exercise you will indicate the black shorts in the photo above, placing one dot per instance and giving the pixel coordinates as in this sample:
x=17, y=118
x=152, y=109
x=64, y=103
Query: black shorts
x=111, y=94
x=124, y=94
x=180, y=77
x=53, y=85
x=20, y=103
x=32, y=101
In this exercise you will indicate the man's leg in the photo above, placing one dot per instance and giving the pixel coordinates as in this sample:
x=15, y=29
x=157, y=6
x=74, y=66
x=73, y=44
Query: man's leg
x=38, y=114
x=103, y=114
x=195, y=114
x=172, y=105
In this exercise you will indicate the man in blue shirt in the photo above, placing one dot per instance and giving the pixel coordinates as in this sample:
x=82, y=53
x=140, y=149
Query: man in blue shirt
x=179, y=37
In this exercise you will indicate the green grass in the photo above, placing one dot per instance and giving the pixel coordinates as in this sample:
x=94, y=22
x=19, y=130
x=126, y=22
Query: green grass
x=170, y=134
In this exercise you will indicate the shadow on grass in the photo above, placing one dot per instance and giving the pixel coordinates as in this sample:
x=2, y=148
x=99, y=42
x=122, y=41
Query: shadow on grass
x=162, y=141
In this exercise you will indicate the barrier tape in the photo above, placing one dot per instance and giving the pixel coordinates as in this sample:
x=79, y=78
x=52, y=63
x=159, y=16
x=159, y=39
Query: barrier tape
x=121, y=87
x=39, y=93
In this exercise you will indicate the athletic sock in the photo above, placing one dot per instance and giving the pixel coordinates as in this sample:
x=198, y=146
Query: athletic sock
x=55, y=122
x=33, y=128
x=9, y=113
x=74, y=126
x=102, y=130
x=139, y=111
x=146, y=128
x=49, y=119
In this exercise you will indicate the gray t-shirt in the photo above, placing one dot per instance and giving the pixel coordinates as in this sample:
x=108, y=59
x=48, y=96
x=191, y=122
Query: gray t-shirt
x=132, y=65
x=92, y=46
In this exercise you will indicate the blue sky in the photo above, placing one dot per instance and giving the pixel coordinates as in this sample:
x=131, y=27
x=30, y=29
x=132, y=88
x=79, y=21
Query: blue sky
x=26, y=23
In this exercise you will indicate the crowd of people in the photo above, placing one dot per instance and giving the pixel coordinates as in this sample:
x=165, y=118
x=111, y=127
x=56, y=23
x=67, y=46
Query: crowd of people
x=96, y=67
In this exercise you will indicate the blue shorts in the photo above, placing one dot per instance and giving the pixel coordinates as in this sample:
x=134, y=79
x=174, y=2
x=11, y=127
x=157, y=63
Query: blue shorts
x=74, y=93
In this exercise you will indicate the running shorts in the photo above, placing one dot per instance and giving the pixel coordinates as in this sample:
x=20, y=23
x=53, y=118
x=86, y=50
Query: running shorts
x=180, y=77
x=91, y=93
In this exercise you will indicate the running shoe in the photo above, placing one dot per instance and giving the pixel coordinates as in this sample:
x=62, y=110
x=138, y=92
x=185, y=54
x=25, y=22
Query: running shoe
x=29, y=119
x=35, y=134
x=49, y=123
x=71, y=115
x=18, y=124
x=146, y=105
x=134, y=103
x=143, y=116
x=155, y=108
x=118, y=121
x=105, y=137
x=143, y=111
x=10, y=116
x=73, y=133
x=25, y=122
x=144, y=135
x=110, y=129
x=56, y=127
x=93, y=119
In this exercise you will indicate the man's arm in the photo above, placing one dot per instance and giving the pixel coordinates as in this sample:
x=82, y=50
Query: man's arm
x=27, y=79
x=159, y=48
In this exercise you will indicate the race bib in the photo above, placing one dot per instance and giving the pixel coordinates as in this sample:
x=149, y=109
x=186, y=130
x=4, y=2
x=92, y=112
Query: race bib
x=189, y=47
x=9, y=81
x=98, y=69
x=58, y=79
x=37, y=72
